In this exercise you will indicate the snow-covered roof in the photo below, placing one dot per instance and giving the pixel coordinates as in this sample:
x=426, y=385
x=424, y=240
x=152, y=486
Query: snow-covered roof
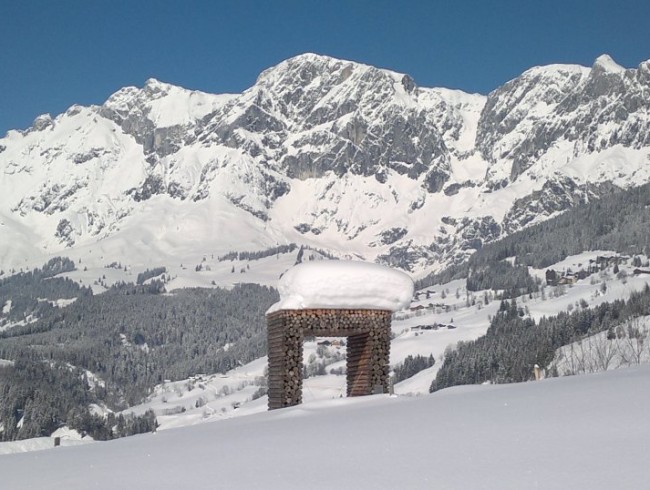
x=343, y=284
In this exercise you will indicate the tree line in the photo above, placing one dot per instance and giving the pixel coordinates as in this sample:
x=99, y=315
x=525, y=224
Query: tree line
x=130, y=337
x=619, y=222
x=39, y=396
x=514, y=343
x=23, y=293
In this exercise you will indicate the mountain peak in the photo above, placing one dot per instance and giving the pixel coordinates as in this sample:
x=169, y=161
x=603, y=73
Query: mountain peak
x=153, y=82
x=42, y=122
x=308, y=66
x=151, y=90
x=311, y=58
x=605, y=63
x=153, y=85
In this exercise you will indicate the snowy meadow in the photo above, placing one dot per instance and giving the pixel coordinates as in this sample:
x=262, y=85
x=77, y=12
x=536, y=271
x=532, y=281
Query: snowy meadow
x=577, y=432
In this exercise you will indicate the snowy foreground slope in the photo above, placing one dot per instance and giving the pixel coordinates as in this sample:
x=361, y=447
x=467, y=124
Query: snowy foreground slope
x=577, y=432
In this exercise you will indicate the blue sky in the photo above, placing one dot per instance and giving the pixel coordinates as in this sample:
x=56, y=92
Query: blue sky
x=57, y=53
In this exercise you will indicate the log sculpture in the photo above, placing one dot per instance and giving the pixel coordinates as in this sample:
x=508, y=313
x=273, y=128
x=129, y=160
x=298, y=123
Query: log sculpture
x=334, y=299
x=368, y=333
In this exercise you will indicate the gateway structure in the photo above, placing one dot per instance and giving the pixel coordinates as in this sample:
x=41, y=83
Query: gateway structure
x=334, y=299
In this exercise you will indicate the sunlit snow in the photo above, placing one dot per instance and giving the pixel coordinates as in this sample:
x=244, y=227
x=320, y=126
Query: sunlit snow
x=587, y=431
x=344, y=284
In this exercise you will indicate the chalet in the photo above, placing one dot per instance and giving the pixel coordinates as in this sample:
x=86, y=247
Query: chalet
x=433, y=326
x=605, y=261
x=552, y=277
x=569, y=278
x=555, y=279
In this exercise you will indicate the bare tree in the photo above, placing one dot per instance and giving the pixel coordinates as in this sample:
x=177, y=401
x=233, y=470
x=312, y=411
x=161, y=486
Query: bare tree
x=634, y=345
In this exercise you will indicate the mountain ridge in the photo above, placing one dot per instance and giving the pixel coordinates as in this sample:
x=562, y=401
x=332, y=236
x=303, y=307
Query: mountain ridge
x=325, y=152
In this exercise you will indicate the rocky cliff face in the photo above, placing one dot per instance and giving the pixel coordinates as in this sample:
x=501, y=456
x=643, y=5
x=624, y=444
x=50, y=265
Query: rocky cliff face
x=586, y=110
x=330, y=153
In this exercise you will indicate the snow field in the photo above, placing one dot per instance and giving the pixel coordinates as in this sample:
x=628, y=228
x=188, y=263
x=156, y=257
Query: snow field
x=554, y=434
x=231, y=395
x=410, y=338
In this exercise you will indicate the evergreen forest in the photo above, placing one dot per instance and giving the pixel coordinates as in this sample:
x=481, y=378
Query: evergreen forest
x=131, y=338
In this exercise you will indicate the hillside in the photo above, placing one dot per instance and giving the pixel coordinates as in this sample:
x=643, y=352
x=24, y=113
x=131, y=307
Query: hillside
x=558, y=433
x=142, y=345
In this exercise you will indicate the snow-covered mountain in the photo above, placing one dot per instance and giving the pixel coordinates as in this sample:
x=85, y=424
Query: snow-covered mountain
x=324, y=152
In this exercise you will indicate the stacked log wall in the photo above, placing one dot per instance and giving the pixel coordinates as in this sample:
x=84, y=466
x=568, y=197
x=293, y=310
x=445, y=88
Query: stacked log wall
x=368, y=333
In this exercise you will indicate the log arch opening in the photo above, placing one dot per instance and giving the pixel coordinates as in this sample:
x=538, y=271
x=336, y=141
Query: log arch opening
x=368, y=349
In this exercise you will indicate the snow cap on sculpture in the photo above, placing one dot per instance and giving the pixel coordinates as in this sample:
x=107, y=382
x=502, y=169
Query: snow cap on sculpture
x=343, y=284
